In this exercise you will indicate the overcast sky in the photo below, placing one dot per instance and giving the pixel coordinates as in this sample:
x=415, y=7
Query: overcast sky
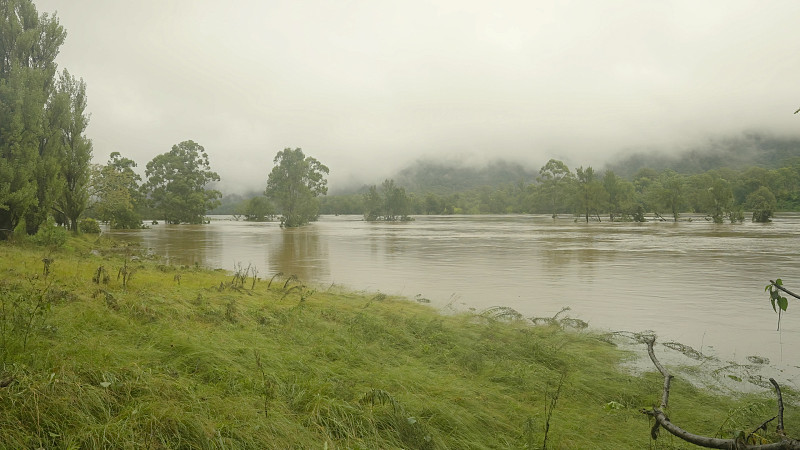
x=368, y=86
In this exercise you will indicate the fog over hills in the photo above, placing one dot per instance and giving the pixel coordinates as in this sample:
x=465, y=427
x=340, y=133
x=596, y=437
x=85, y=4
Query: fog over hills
x=443, y=176
x=735, y=152
x=369, y=87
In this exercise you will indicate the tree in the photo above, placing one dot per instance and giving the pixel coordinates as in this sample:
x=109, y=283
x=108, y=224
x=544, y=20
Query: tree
x=70, y=122
x=554, y=176
x=116, y=193
x=390, y=204
x=589, y=195
x=621, y=196
x=29, y=169
x=294, y=185
x=176, y=183
x=669, y=192
x=373, y=204
x=720, y=198
x=433, y=204
x=762, y=202
x=258, y=209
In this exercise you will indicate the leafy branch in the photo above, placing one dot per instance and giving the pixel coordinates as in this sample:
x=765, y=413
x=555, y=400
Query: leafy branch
x=779, y=302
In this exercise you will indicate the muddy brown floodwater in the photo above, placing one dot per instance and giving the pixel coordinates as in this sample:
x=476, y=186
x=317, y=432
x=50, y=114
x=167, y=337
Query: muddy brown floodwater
x=693, y=282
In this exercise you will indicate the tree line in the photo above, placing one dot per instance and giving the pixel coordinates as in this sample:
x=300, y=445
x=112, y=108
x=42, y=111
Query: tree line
x=45, y=155
x=719, y=194
x=176, y=190
x=46, y=173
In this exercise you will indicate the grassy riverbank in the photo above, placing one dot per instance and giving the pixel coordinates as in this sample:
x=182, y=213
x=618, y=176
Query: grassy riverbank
x=181, y=357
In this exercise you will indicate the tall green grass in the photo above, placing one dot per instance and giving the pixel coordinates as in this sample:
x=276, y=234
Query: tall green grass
x=182, y=357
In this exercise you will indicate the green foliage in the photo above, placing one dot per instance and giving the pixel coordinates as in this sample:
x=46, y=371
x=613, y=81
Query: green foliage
x=294, y=185
x=719, y=194
x=762, y=202
x=778, y=301
x=69, y=120
x=554, y=177
x=258, y=209
x=24, y=308
x=669, y=192
x=390, y=204
x=50, y=235
x=176, y=183
x=621, y=196
x=711, y=194
x=30, y=139
x=590, y=196
x=117, y=193
x=90, y=226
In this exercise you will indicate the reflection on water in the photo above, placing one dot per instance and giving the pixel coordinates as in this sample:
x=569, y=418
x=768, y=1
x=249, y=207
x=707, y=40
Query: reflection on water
x=300, y=252
x=694, y=282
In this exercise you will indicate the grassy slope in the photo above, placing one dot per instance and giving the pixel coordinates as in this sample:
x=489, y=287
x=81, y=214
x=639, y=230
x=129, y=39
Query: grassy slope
x=164, y=364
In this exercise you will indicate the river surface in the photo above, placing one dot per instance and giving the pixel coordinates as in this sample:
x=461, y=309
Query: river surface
x=693, y=282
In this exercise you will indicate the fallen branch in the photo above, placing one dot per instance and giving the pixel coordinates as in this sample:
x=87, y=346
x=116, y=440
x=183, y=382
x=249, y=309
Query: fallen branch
x=662, y=421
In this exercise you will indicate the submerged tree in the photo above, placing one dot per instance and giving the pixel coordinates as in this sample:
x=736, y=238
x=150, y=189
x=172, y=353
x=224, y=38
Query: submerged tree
x=669, y=192
x=176, y=183
x=391, y=203
x=116, y=193
x=762, y=202
x=555, y=177
x=590, y=196
x=621, y=196
x=258, y=209
x=294, y=185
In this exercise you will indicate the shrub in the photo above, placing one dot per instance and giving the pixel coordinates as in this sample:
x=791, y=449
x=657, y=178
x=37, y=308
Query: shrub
x=89, y=226
x=50, y=234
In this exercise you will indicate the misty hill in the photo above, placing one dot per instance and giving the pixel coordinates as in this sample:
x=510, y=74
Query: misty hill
x=449, y=177
x=749, y=149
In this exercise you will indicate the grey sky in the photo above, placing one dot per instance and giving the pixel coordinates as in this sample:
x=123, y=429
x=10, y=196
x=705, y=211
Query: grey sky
x=367, y=86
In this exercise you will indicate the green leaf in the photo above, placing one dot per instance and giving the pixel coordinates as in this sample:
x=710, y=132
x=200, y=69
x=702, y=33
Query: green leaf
x=772, y=300
x=783, y=303
x=779, y=282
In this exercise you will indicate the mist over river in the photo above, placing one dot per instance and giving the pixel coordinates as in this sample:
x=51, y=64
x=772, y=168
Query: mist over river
x=693, y=282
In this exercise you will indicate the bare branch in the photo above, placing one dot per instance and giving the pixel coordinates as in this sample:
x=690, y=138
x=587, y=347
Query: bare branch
x=704, y=441
x=780, y=429
x=667, y=376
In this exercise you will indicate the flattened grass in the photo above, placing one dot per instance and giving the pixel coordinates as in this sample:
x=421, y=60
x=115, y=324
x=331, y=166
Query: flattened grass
x=194, y=362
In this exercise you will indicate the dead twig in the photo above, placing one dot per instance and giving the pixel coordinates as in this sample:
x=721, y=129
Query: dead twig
x=663, y=421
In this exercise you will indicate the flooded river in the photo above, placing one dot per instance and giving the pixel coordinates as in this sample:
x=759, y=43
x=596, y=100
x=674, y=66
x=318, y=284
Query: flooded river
x=694, y=282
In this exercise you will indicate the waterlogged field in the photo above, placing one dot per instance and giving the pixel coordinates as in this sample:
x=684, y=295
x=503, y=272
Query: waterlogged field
x=692, y=282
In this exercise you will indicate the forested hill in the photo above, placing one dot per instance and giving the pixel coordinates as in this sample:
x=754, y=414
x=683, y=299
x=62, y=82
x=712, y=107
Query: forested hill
x=447, y=177
x=750, y=149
